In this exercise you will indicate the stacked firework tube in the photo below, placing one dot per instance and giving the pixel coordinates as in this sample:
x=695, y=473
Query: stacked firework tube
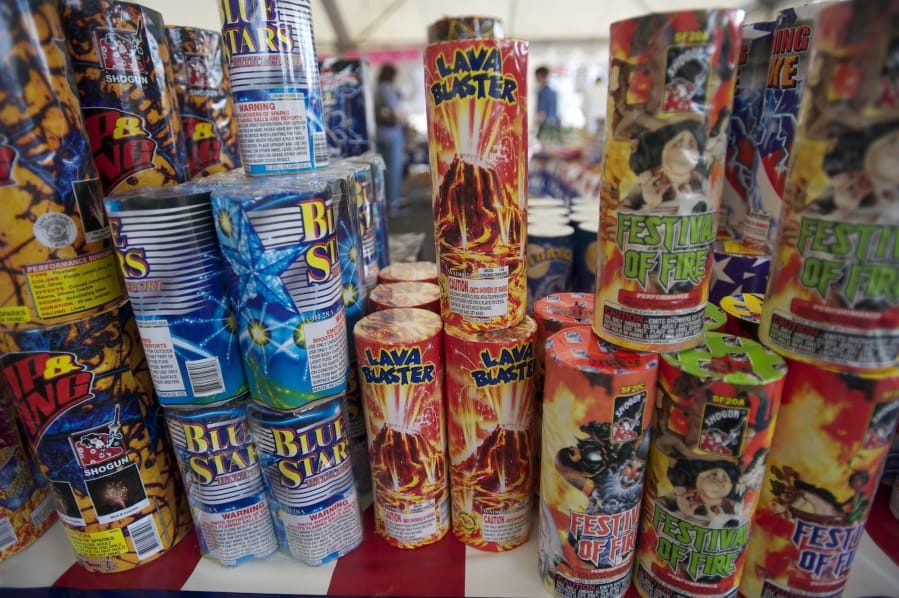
x=368, y=210
x=203, y=91
x=379, y=202
x=672, y=83
x=409, y=272
x=122, y=69
x=423, y=295
x=348, y=106
x=550, y=266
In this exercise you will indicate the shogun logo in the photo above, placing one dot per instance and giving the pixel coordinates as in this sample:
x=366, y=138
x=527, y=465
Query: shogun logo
x=45, y=384
x=677, y=247
x=220, y=452
x=604, y=540
x=513, y=364
x=204, y=148
x=304, y=454
x=786, y=47
x=860, y=258
x=826, y=552
x=254, y=26
x=322, y=259
x=881, y=427
x=121, y=56
x=122, y=146
x=7, y=160
x=397, y=366
x=475, y=72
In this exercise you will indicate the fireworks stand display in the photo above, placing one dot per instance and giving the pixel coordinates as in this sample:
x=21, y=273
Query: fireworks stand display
x=677, y=377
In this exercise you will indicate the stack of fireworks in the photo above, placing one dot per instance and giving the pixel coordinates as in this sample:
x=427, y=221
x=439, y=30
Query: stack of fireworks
x=348, y=106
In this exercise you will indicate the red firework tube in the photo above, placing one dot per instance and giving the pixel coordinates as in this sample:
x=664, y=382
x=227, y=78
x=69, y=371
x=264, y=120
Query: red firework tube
x=832, y=295
x=711, y=433
x=672, y=81
x=409, y=272
x=477, y=133
x=423, y=295
x=400, y=361
x=556, y=312
x=490, y=390
x=828, y=452
x=597, y=407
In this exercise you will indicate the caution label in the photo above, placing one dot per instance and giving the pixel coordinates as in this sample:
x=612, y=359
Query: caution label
x=97, y=545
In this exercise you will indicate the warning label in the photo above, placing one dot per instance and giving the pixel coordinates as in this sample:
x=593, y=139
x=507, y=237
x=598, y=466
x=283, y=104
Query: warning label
x=233, y=535
x=416, y=524
x=334, y=530
x=327, y=352
x=662, y=329
x=96, y=545
x=160, y=351
x=274, y=133
x=479, y=298
x=65, y=287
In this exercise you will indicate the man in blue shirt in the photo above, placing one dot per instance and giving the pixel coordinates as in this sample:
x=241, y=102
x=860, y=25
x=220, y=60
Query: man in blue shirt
x=547, y=106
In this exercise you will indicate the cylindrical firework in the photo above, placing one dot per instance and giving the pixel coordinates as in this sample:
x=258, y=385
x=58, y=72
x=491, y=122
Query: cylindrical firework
x=83, y=394
x=466, y=27
x=56, y=258
x=379, y=204
x=363, y=191
x=711, y=434
x=120, y=58
x=409, y=272
x=356, y=429
x=169, y=255
x=348, y=106
x=832, y=291
x=744, y=133
x=424, y=295
x=743, y=312
x=279, y=240
x=490, y=388
x=550, y=251
x=586, y=256
x=542, y=216
x=275, y=85
x=478, y=138
x=547, y=202
x=400, y=357
x=788, y=81
x=597, y=407
x=672, y=81
x=223, y=479
x=305, y=459
x=203, y=90
x=833, y=434
x=715, y=319
x=738, y=268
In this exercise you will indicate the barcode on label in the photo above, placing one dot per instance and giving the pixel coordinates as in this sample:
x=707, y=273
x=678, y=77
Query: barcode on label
x=7, y=534
x=205, y=376
x=320, y=148
x=145, y=537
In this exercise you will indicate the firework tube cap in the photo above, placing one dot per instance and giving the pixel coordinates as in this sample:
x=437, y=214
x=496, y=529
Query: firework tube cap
x=409, y=272
x=424, y=295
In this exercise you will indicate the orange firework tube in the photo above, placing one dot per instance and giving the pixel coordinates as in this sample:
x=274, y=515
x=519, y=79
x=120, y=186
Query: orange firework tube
x=671, y=91
x=400, y=361
x=743, y=313
x=466, y=27
x=554, y=313
x=597, y=408
x=477, y=133
x=120, y=57
x=409, y=272
x=490, y=389
x=832, y=295
x=833, y=435
x=85, y=399
x=711, y=433
x=56, y=258
x=203, y=91
x=424, y=295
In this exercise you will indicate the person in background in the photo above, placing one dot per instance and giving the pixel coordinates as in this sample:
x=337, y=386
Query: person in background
x=547, y=106
x=595, y=105
x=390, y=137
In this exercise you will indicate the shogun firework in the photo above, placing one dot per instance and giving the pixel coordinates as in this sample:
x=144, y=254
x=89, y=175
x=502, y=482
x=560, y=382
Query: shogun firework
x=56, y=260
x=122, y=68
x=817, y=493
x=169, y=255
x=550, y=251
x=671, y=88
x=400, y=361
x=833, y=296
x=221, y=472
x=203, y=89
x=83, y=394
x=348, y=106
x=477, y=132
x=275, y=85
x=424, y=295
x=409, y=272
x=279, y=240
x=490, y=388
x=305, y=457
x=597, y=407
x=738, y=267
x=711, y=434
x=450, y=29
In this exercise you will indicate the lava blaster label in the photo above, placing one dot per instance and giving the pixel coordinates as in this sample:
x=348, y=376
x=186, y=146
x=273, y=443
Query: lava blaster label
x=834, y=293
x=477, y=133
x=663, y=174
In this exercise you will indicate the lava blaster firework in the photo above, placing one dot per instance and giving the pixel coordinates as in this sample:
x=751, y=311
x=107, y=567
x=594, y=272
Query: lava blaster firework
x=120, y=58
x=83, y=394
x=56, y=258
x=711, y=433
x=423, y=295
x=223, y=479
x=203, y=89
x=477, y=133
x=490, y=388
x=409, y=272
x=400, y=361
x=833, y=297
x=818, y=491
x=169, y=256
x=670, y=93
x=597, y=406
x=450, y=29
